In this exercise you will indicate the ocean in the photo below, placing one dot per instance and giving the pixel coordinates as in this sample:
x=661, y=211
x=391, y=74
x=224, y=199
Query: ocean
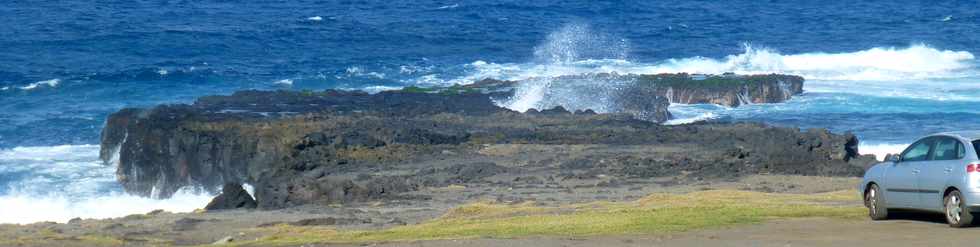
x=888, y=72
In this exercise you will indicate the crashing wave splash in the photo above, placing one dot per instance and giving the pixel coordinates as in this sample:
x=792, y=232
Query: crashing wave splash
x=28, y=208
x=577, y=50
x=880, y=150
x=57, y=183
x=560, y=52
x=918, y=61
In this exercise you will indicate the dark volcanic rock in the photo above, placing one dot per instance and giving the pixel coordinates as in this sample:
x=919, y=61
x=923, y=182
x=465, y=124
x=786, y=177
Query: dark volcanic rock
x=232, y=196
x=186, y=224
x=222, y=138
x=338, y=147
x=727, y=90
x=329, y=221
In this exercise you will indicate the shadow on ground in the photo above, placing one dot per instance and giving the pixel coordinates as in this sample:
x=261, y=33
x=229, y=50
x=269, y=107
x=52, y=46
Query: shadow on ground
x=927, y=217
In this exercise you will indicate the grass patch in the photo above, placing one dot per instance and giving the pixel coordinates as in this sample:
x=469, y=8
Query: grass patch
x=654, y=214
x=47, y=237
x=452, y=90
x=414, y=89
x=685, y=80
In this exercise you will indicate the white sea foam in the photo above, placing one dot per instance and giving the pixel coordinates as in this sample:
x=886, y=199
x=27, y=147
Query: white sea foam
x=23, y=209
x=690, y=113
x=880, y=150
x=564, y=52
x=917, y=61
x=57, y=183
x=530, y=94
x=879, y=64
x=284, y=82
x=371, y=89
x=356, y=71
x=917, y=71
x=250, y=189
x=315, y=18
x=414, y=69
x=50, y=83
x=377, y=89
x=51, y=153
x=453, y=6
x=699, y=117
x=431, y=80
x=911, y=72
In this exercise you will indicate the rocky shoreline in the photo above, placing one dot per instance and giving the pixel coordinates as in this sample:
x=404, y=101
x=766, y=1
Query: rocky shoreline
x=298, y=148
x=340, y=161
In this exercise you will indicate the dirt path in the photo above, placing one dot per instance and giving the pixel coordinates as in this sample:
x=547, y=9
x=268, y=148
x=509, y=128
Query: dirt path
x=911, y=230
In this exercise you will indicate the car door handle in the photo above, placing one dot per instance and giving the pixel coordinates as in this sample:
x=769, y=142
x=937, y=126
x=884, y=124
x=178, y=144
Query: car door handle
x=914, y=171
x=949, y=169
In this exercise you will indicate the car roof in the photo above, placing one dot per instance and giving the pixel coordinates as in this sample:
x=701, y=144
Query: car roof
x=966, y=134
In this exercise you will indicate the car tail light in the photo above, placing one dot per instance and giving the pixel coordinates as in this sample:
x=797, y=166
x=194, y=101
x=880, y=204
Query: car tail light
x=973, y=167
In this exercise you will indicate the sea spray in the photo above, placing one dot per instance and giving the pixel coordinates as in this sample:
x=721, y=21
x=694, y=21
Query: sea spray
x=917, y=61
x=560, y=54
x=28, y=208
x=57, y=183
x=880, y=150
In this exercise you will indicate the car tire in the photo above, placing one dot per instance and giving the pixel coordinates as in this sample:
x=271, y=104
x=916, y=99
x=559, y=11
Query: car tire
x=957, y=215
x=876, y=205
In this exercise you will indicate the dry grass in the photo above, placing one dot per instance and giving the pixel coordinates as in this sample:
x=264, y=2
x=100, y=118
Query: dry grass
x=48, y=237
x=654, y=214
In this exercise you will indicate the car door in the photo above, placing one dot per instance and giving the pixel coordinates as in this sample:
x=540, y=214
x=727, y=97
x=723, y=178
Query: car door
x=934, y=173
x=901, y=189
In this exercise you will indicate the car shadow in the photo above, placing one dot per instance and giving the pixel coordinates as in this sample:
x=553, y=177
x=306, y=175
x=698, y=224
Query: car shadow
x=929, y=217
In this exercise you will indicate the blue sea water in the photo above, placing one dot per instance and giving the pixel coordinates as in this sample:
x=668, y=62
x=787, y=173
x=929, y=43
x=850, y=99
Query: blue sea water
x=886, y=71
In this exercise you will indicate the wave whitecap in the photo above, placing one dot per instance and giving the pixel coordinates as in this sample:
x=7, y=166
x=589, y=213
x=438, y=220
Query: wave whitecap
x=26, y=208
x=57, y=183
x=907, y=72
x=50, y=83
x=575, y=49
x=880, y=150
x=917, y=61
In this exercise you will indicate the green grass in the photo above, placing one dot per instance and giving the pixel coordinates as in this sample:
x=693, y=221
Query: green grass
x=458, y=89
x=654, y=214
x=47, y=237
x=685, y=80
x=452, y=90
x=414, y=89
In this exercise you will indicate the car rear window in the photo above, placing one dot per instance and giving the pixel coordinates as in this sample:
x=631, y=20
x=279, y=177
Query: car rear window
x=947, y=149
x=976, y=147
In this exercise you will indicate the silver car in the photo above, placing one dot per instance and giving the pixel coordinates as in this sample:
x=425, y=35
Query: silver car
x=939, y=173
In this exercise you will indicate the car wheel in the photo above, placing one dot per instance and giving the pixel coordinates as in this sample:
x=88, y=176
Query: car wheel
x=875, y=204
x=957, y=214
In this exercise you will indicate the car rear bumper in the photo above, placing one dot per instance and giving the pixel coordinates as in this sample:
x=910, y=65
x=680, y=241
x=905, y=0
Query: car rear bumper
x=972, y=200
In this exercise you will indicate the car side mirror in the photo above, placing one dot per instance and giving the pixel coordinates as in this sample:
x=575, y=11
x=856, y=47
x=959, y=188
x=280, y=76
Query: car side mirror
x=895, y=158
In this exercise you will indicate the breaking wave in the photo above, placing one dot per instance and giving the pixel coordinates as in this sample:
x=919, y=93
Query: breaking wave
x=915, y=71
x=881, y=149
x=28, y=208
x=559, y=55
x=49, y=83
x=685, y=113
x=918, y=61
x=57, y=183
